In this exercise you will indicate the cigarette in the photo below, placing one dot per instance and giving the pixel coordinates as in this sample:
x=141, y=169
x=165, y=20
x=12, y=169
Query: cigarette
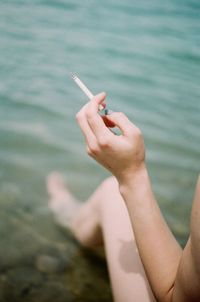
x=82, y=86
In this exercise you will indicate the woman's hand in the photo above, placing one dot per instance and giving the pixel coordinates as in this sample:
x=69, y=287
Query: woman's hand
x=122, y=154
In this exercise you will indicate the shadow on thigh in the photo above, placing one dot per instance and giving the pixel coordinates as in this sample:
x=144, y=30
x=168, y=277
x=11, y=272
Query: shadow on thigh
x=128, y=279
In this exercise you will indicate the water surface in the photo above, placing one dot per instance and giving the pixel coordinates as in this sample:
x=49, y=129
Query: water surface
x=144, y=54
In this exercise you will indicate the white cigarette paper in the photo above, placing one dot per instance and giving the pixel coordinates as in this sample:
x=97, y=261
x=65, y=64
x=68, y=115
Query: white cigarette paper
x=84, y=88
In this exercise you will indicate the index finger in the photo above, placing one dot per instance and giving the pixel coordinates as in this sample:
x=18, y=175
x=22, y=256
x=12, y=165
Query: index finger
x=94, y=119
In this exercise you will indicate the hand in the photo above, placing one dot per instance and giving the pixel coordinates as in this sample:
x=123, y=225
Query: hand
x=122, y=154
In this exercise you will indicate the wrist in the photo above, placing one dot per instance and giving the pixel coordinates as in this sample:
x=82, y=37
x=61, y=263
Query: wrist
x=135, y=179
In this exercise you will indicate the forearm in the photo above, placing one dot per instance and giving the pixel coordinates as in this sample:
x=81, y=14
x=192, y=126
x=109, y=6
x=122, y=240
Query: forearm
x=195, y=228
x=159, y=251
x=187, y=286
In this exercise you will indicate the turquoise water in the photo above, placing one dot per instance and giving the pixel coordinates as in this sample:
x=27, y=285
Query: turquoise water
x=144, y=54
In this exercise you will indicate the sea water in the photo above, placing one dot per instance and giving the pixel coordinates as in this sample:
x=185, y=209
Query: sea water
x=144, y=54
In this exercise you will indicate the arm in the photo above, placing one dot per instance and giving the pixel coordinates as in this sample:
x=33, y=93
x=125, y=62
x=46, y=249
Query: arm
x=187, y=284
x=124, y=156
x=159, y=251
x=174, y=275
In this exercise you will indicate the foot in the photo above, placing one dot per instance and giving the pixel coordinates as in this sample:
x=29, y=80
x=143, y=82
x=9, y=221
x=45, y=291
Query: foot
x=62, y=203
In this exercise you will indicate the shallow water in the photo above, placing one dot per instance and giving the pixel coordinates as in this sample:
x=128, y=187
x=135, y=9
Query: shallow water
x=144, y=54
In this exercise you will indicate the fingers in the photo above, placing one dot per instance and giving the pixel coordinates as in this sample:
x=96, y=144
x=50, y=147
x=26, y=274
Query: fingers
x=94, y=119
x=94, y=128
x=86, y=130
x=120, y=120
x=95, y=131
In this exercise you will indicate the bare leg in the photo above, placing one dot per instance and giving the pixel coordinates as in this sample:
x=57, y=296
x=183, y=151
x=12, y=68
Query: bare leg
x=81, y=218
x=62, y=204
x=105, y=216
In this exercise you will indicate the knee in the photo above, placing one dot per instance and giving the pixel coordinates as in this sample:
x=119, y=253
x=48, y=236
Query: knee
x=110, y=184
x=110, y=190
x=109, y=196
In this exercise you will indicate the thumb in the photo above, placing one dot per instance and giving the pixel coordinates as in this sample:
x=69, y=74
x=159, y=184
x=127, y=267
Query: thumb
x=98, y=100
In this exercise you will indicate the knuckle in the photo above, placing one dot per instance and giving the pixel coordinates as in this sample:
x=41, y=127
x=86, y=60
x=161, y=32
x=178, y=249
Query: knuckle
x=89, y=152
x=132, y=133
x=138, y=132
x=93, y=150
x=79, y=116
x=131, y=129
x=104, y=141
x=89, y=115
x=135, y=132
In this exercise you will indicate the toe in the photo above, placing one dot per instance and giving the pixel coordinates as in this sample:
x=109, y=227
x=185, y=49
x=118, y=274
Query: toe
x=55, y=183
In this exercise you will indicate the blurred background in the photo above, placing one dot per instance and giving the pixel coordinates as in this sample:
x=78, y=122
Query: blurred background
x=145, y=55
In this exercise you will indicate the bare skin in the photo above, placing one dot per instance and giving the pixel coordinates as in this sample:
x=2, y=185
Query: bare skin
x=172, y=273
x=62, y=204
x=93, y=227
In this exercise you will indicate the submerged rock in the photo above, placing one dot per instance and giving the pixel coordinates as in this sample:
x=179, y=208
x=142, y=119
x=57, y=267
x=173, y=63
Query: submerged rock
x=42, y=263
x=49, y=264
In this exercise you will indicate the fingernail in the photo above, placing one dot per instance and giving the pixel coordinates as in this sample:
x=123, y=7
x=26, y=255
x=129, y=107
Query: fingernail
x=100, y=107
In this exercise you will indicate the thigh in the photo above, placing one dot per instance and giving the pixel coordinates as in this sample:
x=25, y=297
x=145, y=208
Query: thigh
x=128, y=279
